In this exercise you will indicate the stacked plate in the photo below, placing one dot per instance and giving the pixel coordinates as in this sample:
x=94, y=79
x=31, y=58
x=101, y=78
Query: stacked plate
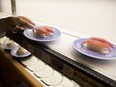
x=65, y=83
x=46, y=74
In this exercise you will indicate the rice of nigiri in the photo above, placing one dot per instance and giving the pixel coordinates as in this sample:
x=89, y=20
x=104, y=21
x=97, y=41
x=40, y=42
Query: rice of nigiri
x=97, y=44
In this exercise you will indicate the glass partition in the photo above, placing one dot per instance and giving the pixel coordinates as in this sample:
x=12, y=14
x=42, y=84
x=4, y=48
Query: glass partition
x=92, y=17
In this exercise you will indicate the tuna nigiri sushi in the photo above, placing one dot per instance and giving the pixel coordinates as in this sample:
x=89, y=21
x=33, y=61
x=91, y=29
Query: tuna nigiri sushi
x=98, y=45
x=43, y=31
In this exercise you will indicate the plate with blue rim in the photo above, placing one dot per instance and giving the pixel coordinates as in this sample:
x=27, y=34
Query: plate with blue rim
x=15, y=54
x=31, y=35
x=77, y=45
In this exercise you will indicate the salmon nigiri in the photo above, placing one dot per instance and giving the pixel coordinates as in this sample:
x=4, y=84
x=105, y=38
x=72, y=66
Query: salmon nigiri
x=98, y=44
x=44, y=31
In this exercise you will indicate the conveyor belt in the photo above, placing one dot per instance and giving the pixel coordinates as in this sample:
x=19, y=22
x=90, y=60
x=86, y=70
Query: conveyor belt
x=76, y=71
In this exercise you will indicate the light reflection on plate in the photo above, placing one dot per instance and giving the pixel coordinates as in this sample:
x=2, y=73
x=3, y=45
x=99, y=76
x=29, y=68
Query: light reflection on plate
x=14, y=52
x=77, y=46
x=31, y=35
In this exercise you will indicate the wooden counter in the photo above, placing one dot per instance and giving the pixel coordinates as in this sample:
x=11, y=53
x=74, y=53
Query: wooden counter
x=12, y=72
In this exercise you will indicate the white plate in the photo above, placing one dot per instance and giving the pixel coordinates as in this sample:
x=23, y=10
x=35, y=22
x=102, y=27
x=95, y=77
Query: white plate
x=14, y=52
x=30, y=61
x=30, y=35
x=77, y=46
x=36, y=66
x=65, y=83
x=44, y=72
x=5, y=46
x=55, y=79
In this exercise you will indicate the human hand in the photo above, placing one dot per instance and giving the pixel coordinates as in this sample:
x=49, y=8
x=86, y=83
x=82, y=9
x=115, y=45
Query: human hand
x=17, y=24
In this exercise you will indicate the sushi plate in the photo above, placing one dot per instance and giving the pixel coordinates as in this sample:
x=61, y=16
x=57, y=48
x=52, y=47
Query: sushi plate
x=78, y=47
x=31, y=35
x=14, y=52
x=9, y=41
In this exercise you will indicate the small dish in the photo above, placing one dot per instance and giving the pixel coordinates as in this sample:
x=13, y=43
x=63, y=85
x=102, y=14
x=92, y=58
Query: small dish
x=78, y=47
x=14, y=52
x=8, y=44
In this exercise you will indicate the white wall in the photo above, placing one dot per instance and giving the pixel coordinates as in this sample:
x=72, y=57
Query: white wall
x=5, y=6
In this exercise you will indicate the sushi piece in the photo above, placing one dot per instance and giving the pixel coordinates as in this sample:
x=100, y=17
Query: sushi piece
x=48, y=28
x=98, y=45
x=21, y=51
x=43, y=31
x=10, y=43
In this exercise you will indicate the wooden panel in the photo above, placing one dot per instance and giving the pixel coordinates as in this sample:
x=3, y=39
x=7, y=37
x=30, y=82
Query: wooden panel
x=12, y=72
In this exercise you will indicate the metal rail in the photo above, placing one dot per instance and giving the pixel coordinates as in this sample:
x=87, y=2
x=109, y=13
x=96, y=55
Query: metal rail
x=13, y=7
